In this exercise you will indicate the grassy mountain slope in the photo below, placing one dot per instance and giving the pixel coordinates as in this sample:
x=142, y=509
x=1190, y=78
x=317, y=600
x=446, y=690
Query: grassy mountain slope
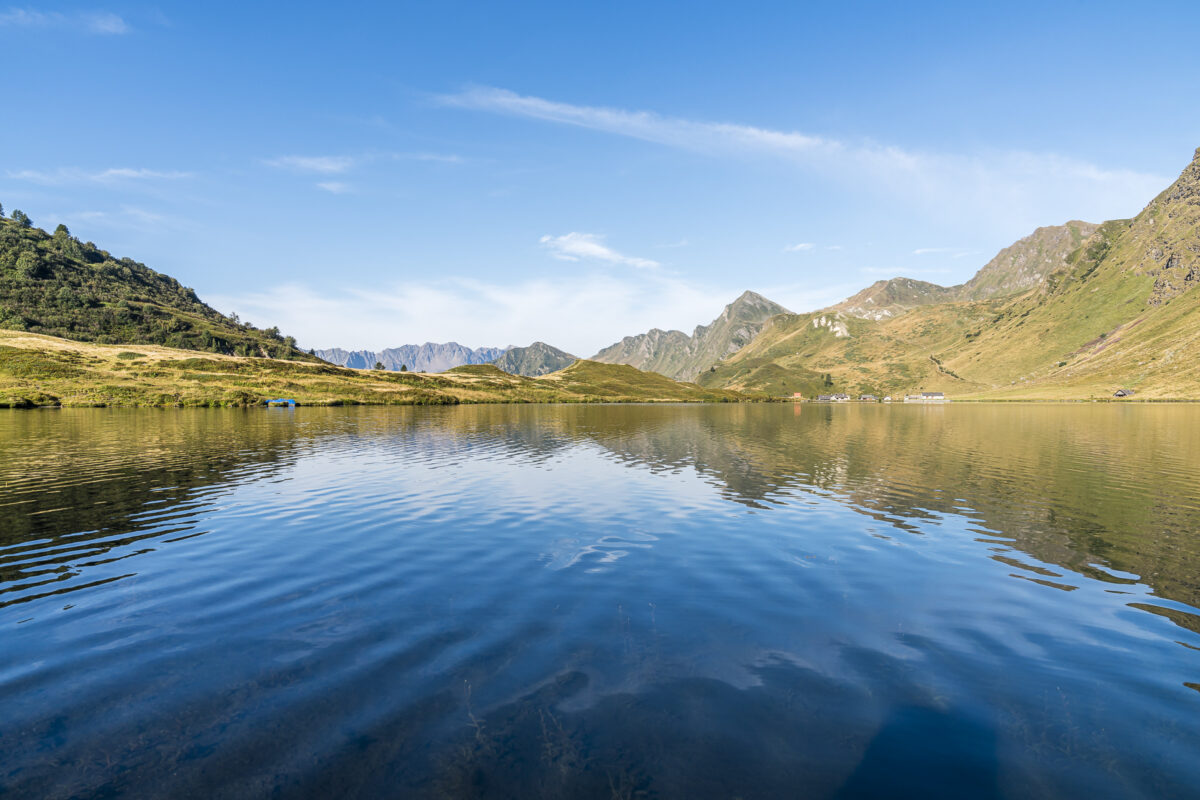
x=1120, y=311
x=1026, y=263
x=596, y=379
x=537, y=359
x=1017, y=268
x=890, y=298
x=46, y=370
x=55, y=284
x=683, y=357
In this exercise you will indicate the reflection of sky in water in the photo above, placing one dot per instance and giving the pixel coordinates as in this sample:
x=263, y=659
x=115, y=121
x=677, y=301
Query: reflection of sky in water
x=705, y=600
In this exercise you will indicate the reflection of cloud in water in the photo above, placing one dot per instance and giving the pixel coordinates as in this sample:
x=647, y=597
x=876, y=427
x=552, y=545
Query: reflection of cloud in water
x=604, y=550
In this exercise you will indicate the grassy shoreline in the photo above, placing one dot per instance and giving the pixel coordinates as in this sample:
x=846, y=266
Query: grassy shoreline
x=38, y=371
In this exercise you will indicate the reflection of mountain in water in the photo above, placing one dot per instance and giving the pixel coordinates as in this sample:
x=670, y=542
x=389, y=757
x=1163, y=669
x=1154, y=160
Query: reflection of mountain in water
x=89, y=488
x=543, y=601
x=1102, y=491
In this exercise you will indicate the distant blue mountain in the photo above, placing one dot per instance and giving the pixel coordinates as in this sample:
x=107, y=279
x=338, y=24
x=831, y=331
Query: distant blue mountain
x=428, y=357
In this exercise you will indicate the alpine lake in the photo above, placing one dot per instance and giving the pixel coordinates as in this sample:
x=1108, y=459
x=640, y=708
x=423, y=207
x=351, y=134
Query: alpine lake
x=601, y=601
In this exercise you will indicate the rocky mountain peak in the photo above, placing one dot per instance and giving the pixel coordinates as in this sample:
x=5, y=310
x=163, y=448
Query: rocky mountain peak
x=683, y=357
x=755, y=305
x=1186, y=189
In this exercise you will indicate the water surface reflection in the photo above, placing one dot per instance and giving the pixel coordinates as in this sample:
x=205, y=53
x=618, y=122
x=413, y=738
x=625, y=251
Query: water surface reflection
x=667, y=601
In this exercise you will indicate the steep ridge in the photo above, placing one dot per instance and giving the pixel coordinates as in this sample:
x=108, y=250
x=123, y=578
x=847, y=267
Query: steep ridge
x=537, y=359
x=56, y=285
x=1017, y=268
x=890, y=298
x=1027, y=262
x=1121, y=311
x=683, y=357
x=428, y=357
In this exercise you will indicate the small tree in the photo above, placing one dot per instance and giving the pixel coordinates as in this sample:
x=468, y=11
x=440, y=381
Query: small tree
x=379, y=365
x=404, y=367
x=1, y=210
x=21, y=218
x=29, y=265
x=61, y=231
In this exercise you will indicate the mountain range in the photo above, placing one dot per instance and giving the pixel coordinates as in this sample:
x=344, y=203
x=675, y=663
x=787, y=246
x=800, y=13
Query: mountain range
x=1076, y=311
x=428, y=357
x=1071, y=311
x=683, y=357
x=537, y=359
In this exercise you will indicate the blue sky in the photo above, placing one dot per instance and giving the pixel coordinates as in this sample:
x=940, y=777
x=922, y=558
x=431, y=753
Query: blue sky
x=372, y=175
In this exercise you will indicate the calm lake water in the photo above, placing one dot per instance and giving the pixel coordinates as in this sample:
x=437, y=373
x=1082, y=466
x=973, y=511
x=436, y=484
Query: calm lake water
x=607, y=601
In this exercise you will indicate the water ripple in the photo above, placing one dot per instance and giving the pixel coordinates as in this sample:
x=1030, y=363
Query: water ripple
x=600, y=601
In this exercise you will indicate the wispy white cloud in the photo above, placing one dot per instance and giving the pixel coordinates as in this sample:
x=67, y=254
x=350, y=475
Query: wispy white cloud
x=324, y=164
x=444, y=158
x=96, y=22
x=105, y=22
x=1008, y=189
x=921, y=251
x=674, y=245
x=799, y=248
x=579, y=312
x=113, y=175
x=334, y=187
x=124, y=217
x=834, y=247
x=707, y=136
x=589, y=246
x=334, y=165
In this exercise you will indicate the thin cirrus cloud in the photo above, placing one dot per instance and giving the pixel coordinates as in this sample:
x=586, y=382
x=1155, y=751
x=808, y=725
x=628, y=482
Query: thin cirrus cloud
x=328, y=165
x=799, y=248
x=126, y=216
x=589, y=246
x=1005, y=188
x=102, y=23
x=334, y=187
x=112, y=175
x=334, y=165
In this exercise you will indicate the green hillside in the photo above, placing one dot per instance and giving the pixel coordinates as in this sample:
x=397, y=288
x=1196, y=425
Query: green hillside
x=1119, y=312
x=57, y=285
